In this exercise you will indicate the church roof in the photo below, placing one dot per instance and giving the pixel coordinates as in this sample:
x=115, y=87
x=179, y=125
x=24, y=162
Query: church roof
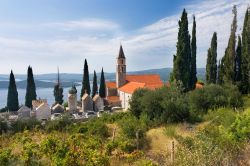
x=121, y=53
x=148, y=79
x=85, y=96
x=58, y=106
x=96, y=97
x=111, y=85
x=131, y=87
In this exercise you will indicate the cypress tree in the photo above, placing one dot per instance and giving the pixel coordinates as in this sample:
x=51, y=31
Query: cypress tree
x=211, y=67
x=85, y=81
x=31, y=88
x=245, y=66
x=238, y=61
x=102, y=90
x=219, y=74
x=193, y=78
x=230, y=53
x=12, y=99
x=58, y=91
x=95, y=87
x=181, y=70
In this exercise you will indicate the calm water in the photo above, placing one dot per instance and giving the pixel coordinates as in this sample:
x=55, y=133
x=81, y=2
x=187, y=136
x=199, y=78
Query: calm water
x=43, y=93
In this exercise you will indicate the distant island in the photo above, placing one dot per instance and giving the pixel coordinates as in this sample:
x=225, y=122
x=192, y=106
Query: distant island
x=48, y=80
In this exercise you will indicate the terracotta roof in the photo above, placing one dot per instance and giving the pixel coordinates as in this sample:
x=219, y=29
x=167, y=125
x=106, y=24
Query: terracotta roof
x=131, y=87
x=113, y=98
x=148, y=79
x=111, y=84
x=199, y=86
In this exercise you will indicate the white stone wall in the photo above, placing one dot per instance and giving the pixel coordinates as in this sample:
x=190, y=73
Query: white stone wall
x=99, y=104
x=125, y=97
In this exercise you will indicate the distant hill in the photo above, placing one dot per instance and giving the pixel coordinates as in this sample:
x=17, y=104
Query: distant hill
x=47, y=80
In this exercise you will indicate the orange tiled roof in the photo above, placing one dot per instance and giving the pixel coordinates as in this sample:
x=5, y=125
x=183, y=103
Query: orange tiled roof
x=113, y=98
x=198, y=85
x=111, y=84
x=130, y=87
x=148, y=79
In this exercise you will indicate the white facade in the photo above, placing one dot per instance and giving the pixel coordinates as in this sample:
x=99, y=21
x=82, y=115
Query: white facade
x=125, y=98
x=43, y=112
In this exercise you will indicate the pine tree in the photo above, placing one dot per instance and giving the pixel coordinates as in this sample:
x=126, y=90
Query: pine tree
x=181, y=70
x=31, y=88
x=12, y=99
x=238, y=61
x=102, y=89
x=230, y=53
x=193, y=78
x=58, y=91
x=211, y=67
x=245, y=66
x=95, y=87
x=85, y=82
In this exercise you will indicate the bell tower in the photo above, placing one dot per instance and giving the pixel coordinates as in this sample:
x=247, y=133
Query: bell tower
x=120, y=69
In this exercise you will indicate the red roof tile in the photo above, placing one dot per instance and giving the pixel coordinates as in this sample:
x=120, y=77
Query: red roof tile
x=111, y=84
x=131, y=87
x=148, y=79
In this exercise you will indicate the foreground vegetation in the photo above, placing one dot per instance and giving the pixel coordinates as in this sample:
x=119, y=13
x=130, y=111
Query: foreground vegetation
x=210, y=126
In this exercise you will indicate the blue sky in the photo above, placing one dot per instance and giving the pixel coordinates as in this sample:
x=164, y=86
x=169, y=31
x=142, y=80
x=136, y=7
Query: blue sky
x=50, y=33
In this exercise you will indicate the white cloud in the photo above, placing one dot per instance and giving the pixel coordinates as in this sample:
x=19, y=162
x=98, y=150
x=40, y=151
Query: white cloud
x=152, y=46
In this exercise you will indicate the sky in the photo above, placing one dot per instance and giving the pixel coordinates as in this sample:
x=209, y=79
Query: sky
x=47, y=34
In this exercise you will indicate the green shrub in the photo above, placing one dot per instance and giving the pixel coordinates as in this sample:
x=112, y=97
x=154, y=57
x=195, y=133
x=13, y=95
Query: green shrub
x=25, y=124
x=3, y=125
x=97, y=128
x=58, y=125
x=170, y=131
x=5, y=156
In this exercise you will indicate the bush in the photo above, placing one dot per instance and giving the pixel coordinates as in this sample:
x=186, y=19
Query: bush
x=25, y=124
x=97, y=128
x=212, y=97
x=170, y=131
x=58, y=125
x=5, y=156
x=3, y=125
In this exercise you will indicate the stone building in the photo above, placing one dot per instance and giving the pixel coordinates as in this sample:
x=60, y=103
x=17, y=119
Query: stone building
x=24, y=112
x=98, y=103
x=87, y=103
x=58, y=108
x=43, y=112
x=72, y=100
x=120, y=91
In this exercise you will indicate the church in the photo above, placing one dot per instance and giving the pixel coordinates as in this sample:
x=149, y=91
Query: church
x=120, y=92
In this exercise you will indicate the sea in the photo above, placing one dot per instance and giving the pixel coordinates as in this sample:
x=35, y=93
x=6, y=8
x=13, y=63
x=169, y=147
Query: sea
x=42, y=93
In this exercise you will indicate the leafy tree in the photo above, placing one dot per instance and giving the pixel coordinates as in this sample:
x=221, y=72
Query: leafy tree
x=31, y=88
x=211, y=67
x=245, y=66
x=85, y=82
x=102, y=90
x=95, y=87
x=181, y=70
x=135, y=103
x=230, y=53
x=58, y=91
x=12, y=99
x=193, y=78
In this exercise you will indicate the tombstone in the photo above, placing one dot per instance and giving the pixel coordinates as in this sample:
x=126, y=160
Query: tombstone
x=98, y=103
x=24, y=112
x=87, y=103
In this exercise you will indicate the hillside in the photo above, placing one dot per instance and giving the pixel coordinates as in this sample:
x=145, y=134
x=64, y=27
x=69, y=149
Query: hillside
x=46, y=80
